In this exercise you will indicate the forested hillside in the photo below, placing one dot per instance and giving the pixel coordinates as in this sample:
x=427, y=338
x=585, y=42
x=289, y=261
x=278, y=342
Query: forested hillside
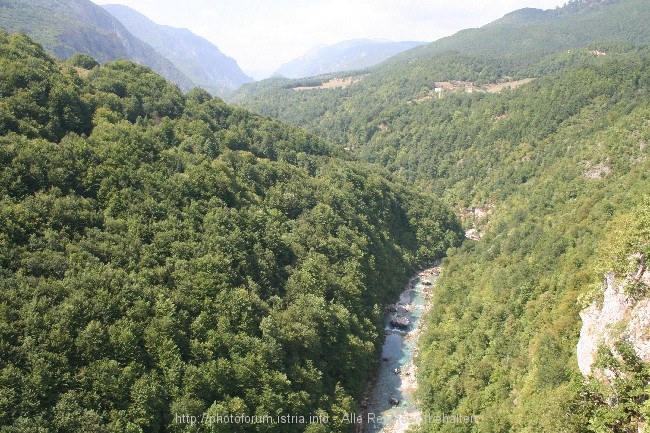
x=165, y=254
x=550, y=175
x=529, y=35
x=560, y=168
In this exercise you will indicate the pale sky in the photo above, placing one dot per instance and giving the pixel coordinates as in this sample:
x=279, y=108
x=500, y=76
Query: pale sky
x=261, y=35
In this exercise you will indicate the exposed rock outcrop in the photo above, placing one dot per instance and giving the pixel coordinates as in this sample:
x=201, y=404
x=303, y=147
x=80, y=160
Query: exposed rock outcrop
x=619, y=316
x=476, y=217
x=400, y=322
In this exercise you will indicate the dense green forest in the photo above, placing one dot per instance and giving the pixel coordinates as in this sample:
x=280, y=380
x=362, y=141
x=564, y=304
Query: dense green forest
x=502, y=340
x=167, y=254
x=164, y=254
x=552, y=176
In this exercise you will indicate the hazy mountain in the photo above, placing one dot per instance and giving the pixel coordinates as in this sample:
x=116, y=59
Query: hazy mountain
x=344, y=56
x=64, y=27
x=195, y=56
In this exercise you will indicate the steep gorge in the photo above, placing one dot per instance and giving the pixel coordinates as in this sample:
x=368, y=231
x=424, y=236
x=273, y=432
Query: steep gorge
x=559, y=161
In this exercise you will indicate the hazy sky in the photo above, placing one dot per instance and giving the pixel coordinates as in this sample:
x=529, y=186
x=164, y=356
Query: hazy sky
x=264, y=34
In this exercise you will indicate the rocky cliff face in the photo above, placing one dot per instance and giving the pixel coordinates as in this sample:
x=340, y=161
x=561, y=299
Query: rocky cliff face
x=619, y=316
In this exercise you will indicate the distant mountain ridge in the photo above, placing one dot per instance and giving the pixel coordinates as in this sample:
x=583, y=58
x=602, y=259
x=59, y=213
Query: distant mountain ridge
x=195, y=56
x=344, y=56
x=64, y=27
x=528, y=32
x=525, y=42
x=522, y=44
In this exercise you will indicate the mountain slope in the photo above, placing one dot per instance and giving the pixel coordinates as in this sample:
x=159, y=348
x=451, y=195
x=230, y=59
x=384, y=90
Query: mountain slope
x=165, y=256
x=533, y=33
x=555, y=164
x=196, y=57
x=68, y=26
x=344, y=56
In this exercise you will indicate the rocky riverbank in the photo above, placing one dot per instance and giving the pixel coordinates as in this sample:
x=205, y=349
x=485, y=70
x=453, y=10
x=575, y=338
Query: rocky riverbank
x=389, y=404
